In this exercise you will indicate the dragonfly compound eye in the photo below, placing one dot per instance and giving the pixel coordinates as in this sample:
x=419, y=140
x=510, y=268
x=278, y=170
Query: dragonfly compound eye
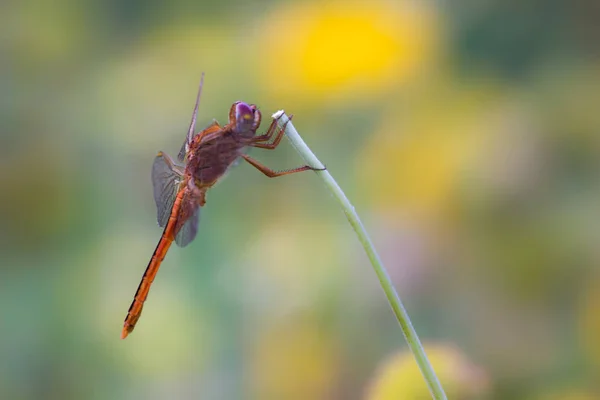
x=244, y=116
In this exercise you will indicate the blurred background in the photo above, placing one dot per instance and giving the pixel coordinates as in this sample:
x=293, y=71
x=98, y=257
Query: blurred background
x=466, y=134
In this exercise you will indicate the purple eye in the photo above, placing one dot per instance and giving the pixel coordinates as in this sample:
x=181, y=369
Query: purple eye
x=243, y=112
x=244, y=116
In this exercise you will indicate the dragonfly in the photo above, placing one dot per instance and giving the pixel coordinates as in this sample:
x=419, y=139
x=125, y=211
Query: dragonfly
x=180, y=187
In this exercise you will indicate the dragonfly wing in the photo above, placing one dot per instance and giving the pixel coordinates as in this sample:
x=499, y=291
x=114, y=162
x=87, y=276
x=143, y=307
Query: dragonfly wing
x=166, y=178
x=183, y=151
x=190, y=213
x=188, y=139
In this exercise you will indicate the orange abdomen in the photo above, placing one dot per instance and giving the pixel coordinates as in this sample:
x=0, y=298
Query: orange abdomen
x=135, y=310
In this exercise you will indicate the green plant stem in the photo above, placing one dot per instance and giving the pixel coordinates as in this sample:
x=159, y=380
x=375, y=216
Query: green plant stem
x=410, y=334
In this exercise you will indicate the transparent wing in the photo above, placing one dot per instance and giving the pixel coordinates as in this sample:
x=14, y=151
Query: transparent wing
x=188, y=231
x=183, y=151
x=166, y=177
x=190, y=134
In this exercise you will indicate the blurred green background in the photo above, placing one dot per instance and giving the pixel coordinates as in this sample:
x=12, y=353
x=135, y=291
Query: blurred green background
x=466, y=133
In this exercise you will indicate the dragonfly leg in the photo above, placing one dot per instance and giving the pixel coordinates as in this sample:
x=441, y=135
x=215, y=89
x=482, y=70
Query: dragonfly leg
x=170, y=163
x=259, y=141
x=274, y=174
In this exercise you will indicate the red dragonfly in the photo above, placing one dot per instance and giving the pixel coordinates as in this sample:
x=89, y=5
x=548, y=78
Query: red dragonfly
x=180, y=190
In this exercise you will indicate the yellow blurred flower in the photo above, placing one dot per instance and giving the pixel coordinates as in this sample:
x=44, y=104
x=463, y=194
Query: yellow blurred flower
x=339, y=49
x=292, y=361
x=400, y=377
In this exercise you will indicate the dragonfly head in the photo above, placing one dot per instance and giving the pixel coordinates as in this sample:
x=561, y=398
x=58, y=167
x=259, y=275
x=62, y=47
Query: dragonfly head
x=245, y=117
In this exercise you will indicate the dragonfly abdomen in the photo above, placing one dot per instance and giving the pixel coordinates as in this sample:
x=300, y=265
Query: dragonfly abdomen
x=135, y=310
